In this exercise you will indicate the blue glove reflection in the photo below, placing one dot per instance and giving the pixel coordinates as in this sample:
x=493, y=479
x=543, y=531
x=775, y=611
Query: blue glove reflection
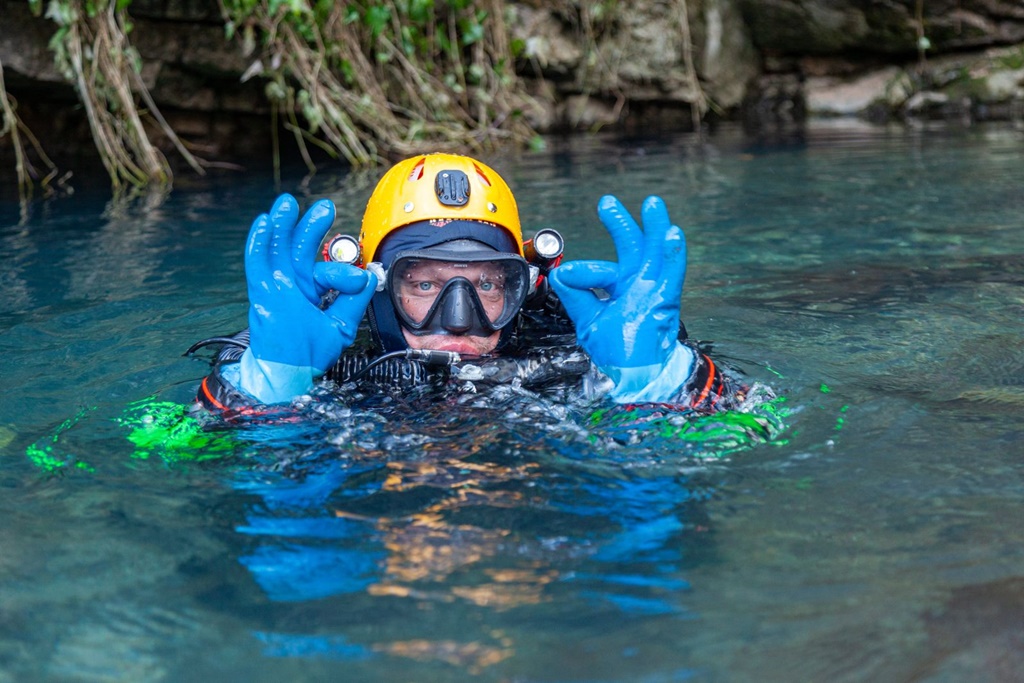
x=632, y=335
x=292, y=340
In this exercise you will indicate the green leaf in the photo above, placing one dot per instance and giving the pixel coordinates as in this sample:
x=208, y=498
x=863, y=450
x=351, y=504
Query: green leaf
x=408, y=41
x=313, y=113
x=475, y=73
x=421, y=11
x=62, y=14
x=134, y=59
x=472, y=32
x=444, y=43
x=377, y=19
x=275, y=91
x=290, y=6
x=345, y=67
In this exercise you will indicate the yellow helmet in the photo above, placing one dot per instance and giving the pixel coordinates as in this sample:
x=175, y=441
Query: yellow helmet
x=442, y=187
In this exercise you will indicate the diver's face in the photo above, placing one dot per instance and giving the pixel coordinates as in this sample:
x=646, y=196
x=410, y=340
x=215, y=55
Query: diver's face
x=419, y=286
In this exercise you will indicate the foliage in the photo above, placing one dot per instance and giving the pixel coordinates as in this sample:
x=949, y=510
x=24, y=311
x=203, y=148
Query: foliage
x=363, y=80
x=380, y=78
x=11, y=124
x=92, y=51
x=1011, y=60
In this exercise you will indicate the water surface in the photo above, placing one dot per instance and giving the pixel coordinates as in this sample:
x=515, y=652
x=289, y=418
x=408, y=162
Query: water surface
x=869, y=528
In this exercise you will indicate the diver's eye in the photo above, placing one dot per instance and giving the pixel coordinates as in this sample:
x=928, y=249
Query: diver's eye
x=424, y=286
x=487, y=286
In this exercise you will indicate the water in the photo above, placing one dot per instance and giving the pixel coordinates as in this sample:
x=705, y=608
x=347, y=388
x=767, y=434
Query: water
x=871, y=277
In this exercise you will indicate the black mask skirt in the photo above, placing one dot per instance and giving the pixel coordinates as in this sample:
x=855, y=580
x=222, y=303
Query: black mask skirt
x=464, y=293
x=442, y=240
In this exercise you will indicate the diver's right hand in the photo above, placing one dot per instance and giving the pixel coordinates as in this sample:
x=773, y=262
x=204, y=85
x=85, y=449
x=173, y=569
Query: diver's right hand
x=292, y=340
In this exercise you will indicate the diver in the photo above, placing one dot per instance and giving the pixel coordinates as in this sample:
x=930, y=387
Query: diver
x=451, y=292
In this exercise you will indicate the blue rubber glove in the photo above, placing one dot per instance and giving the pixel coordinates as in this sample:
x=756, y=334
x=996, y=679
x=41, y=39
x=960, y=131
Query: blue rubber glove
x=632, y=335
x=293, y=341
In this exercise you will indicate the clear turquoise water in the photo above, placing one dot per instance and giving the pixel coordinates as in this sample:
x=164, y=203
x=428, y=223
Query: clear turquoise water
x=872, y=277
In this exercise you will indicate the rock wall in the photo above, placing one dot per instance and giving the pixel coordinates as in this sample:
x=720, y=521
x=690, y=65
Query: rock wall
x=191, y=70
x=887, y=58
x=765, y=61
x=881, y=28
x=633, y=67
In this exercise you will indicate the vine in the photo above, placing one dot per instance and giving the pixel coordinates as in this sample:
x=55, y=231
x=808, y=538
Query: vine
x=11, y=123
x=594, y=20
x=923, y=43
x=385, y=78
x=364, y=80
x=590, y=21
x=92, y=51
x=700, y=105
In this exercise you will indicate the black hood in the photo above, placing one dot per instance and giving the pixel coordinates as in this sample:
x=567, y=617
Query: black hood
x=387, y=332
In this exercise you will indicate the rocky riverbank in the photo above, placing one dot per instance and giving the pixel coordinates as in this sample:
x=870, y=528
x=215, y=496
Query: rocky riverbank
x=768, y=64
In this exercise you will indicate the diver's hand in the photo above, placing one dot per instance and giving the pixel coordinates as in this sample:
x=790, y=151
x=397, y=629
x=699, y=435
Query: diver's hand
x=293, y=341
x=632, y=334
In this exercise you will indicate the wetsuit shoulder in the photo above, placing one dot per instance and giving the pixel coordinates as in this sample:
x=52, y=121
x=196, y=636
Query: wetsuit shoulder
x=218, y=395
x=707, y=385
x=710, y=388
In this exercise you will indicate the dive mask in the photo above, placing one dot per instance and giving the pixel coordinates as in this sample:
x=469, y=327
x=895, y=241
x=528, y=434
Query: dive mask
x=474, y=293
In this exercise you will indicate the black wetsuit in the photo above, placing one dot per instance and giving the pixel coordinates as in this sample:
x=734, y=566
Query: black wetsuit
x=541, y=356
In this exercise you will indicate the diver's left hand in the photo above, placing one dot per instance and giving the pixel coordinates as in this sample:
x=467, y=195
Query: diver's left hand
x=632, y=335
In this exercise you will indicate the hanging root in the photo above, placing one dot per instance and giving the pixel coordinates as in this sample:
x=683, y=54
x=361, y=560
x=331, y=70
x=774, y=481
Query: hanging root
x=11, y=124
x=93, y=52
x=368, y=81
x=380, y=81
x=97, y=53
x=28, y=174
x=700, y=104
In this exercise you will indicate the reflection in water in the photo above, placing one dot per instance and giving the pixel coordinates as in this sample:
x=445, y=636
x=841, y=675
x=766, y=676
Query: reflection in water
x=495, y=507
x=476, y=506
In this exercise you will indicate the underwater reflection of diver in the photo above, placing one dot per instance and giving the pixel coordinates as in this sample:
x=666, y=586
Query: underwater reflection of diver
x=463, y=513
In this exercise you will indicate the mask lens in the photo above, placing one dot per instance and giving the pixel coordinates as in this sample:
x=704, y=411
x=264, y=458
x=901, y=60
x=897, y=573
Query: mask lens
x=429, y=293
